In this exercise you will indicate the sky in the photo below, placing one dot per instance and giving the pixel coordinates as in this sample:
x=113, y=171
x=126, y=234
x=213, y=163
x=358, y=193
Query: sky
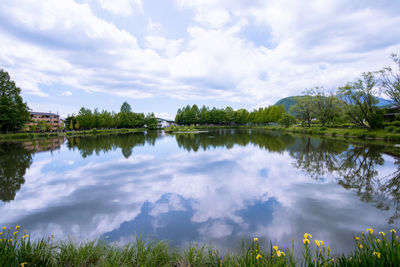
x=160, y=55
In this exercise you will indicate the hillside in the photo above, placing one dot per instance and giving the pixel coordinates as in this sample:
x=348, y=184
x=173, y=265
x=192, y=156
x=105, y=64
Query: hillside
x=290, y=101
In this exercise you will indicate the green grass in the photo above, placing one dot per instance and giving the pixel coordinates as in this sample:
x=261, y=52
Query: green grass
x=32, y=136
x=17, y=249
x=390, y=134
x=180, y=129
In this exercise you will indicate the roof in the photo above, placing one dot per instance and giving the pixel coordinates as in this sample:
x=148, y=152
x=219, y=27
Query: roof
x=43, y=113
x=160, y=119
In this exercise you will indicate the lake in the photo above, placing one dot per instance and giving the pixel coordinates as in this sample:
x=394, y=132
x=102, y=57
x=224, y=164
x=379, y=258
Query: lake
x=220, y=186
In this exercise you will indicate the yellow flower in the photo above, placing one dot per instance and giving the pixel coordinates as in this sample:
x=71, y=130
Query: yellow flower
x=23, y=264
x=255, y=239
x=1, y=233
x=392, y=231
x=360, y=246
x=17, y=227
x=25, y=236
x=329, y=249
x=382, y=233
x=306, y=236
x=377, y=254
x=306, y=241
x=278, y=252
x=356, y=238
x=377, y=240
x=332, y=260
x=15, y=233
x=258, y=256
x=283, y=253
x=11, y=240
x=4, y=228
x=275, y=248
x=317, y=242
x=322, y=242
x=370, y=231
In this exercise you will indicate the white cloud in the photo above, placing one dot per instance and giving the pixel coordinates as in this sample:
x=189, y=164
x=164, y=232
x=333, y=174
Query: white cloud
x=66, y=93
x=304, y=45
x=121, y=7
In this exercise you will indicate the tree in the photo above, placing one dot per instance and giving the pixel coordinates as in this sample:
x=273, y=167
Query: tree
x=303, y=110
x=125, y=107
x=390, y=80
x=325, y=105
x=287, y=120
x=151, y=121
x=14, y=113
x=359, y=100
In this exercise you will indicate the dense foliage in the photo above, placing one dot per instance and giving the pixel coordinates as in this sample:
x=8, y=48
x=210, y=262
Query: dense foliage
x=14, y=113
x=193, y=115
x=86, y=119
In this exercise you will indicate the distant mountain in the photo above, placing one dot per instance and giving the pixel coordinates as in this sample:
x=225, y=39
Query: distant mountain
x=290, y=101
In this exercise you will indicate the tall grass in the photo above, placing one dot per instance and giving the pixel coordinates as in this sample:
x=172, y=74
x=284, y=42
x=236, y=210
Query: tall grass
x=17, y=249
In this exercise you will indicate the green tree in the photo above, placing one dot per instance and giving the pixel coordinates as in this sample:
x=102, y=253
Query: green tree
x=125, y=107
x=303, y=110
x=390, y=80
x=326, y=106
x=359, y=100
x=151, y=121
x=14, y=113
x=287, y=120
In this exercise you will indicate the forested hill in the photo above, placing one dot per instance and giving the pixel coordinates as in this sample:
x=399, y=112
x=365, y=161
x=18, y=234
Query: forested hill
x=290, y=101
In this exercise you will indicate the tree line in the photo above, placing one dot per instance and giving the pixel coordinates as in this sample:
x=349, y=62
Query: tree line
x=228, y=116
x=87, y=119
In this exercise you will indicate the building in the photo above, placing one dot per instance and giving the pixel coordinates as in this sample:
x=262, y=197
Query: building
x=162, y=123
x=40, y=119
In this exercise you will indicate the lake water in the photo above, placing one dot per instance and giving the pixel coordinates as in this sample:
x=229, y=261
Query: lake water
x=221, y=186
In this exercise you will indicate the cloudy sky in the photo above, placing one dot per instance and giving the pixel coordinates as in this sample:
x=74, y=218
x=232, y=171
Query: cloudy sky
x=160, y=55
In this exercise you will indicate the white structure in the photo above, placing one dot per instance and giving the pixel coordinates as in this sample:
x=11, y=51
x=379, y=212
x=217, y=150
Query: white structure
x=162, y=123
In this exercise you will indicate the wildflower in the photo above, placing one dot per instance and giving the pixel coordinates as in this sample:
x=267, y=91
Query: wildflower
x=322, y=242
x=258, y=256
x=306, y=241
x=1, y=233
x=382, y=233
x=356, y=238
x=377, y=254
x=306, y=236
x=329, y=249
x=360, y=246
x=278, y=252
x=15, y=233
x=23, y=264
x=17, y=227
x=377, y=240
x=10, y=240
x=283, y=253
x=317, y=242
x=275, y=248
x=4, y=228
x=332, y=260
x=25, y=236
x=393, y=231
x=314, y=260
x=255, y=239
x=370, y=231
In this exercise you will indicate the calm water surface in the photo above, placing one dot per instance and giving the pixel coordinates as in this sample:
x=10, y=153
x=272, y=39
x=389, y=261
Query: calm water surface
x=221, y=186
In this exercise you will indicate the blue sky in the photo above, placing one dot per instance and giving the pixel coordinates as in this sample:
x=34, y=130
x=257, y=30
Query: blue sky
x=160, y=55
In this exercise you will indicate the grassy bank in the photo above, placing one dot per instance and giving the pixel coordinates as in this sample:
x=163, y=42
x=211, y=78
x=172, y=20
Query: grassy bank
x=33, y=136
x=180, y=129
x=391, y=134
x=16, y=249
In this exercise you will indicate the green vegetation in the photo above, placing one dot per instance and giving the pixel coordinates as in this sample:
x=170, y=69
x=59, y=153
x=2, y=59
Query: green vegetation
x=193, y=115
x=180, y=129
x=14, y=113
x=94, y=131
x=17, y=249
x=86, y=119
